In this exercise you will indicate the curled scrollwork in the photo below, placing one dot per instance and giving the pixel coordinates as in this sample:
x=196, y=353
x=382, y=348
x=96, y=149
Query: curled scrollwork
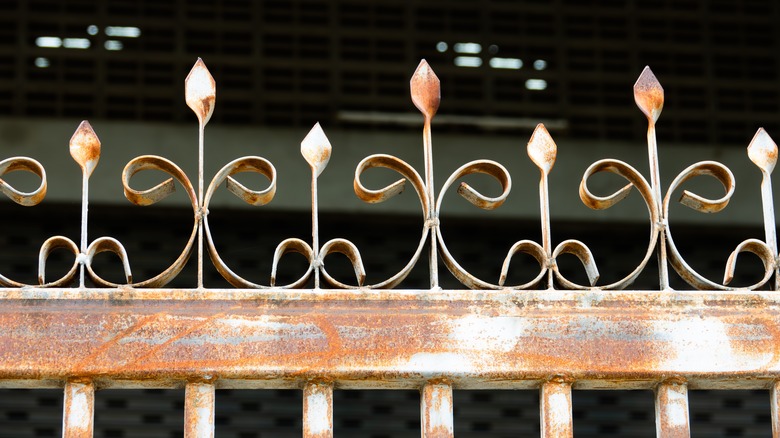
x=28, y=199
x=595, y=202
x=350, y=251
x=498, y=173
x=380, y=195
x=108, y=244
x=25, y=164
x=50, y=245
x=723, y=175
x=256, y=165
x=148, y=197
x=297, y=246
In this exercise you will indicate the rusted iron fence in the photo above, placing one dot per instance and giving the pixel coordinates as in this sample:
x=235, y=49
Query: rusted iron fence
x=320, y=334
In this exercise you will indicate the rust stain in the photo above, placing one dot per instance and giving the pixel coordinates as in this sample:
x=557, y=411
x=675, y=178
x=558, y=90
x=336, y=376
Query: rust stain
x=85, y=147
x=200, y=92
x=649, y=95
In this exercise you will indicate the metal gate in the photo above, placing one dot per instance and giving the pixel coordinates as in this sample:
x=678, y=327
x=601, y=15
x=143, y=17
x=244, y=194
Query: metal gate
x=321, y=334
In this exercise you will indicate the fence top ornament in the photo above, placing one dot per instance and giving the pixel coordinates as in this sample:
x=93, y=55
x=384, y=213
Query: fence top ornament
x=316, y=149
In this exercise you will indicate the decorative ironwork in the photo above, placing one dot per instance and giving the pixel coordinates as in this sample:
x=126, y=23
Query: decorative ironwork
x=200, y=96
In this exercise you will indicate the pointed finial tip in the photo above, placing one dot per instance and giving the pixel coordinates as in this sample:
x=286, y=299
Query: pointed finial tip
x=542, y=149
x=762, y=151
x=649, y=94
x=426, y=89
x=85, y=147
x=200, y=91
x=316, y=149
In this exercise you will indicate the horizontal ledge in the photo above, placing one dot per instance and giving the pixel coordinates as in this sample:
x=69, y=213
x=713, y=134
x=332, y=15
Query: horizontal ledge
x=583, y=297
x=389, y=339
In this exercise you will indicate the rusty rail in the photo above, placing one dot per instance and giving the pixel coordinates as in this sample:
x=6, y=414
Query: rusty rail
x=549, y=334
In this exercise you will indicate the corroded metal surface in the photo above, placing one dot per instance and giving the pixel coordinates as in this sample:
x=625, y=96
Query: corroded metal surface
x=671, y=410
x=316, y=149
x=436, y=410
x=549, y=333
x=396, y=339
x=199, y=410
x=555, y=409
x=78, y=411
x=318, y=410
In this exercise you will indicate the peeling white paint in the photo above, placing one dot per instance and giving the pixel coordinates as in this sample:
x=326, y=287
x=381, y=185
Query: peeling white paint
x=500, y=333
x=705, y=345
x=79, y=416
x=318, y=415
x=558, y=408
x=677, y=408
x=437, y=364
x=437, y=413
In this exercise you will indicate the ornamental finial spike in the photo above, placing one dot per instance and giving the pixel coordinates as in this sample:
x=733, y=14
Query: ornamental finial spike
x=542, y=149
x=649, y=94
x=426, y=90
x=316, y=149
x=763, y=151
x=85, y=147
x=200, y=92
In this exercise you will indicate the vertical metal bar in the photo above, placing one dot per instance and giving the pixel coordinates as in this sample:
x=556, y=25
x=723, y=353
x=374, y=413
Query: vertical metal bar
x=655, y=181
x=649, y=97
x=555, y=409
x=769, y=220
x=436, y=410
x=78, y=411
x=315, y=231
x=84, y=209
x=775, y=397
x=199, y=410
x=201, y=128
x=671, y=410
x=544, y=205
x=762, y=151
x=432, y=219
x=318, y=410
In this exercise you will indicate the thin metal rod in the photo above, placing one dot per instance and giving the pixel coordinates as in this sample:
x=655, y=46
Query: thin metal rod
x=544, y=205
x=315, y=231
x=84, y=208
x=775, y=397
x=555, y=409
x=655, y=180
x=78, y=411
x=671, y=410
x=199, y=410
x=318, y=410
x=201, y=128
x=436, y=411
x=432, y=220
x=768, y=207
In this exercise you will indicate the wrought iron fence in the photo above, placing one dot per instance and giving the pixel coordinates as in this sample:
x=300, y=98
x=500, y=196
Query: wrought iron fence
x=549, y=333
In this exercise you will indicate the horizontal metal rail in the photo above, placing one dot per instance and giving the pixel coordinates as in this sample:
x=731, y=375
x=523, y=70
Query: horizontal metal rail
x=391, y=339
x=435, y=341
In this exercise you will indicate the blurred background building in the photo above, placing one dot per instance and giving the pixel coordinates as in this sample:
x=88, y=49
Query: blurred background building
x=282, y=66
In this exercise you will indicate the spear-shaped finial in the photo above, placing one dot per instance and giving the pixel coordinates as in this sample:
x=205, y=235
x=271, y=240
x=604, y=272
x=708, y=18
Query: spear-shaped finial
x=85, y=148
x=426, y=90
x=542, y=149
x=316, y=149
x=649, y=94
x=762, y=151
x=200, y=91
